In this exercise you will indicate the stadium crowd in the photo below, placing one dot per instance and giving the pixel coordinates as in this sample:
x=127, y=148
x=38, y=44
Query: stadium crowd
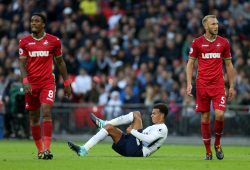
x=126, y=52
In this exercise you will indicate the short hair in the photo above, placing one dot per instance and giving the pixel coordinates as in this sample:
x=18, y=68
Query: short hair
x=41, y=16
x=204, y=20
x=162, y=107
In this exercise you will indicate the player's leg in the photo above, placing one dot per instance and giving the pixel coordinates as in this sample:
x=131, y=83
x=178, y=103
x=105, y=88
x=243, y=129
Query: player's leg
x=137, y=121
x=219, y=104
x=114, y=132
x=218, y=126
x=206, y=133
x=47, y=100
x=32, y=104
x=126, y=144
x=47, y=128
x=83, y=150
x=110, y=130
x=121, y=142
x=218, y=129
x=203, y=106
x=121, y=120
x=36, y=131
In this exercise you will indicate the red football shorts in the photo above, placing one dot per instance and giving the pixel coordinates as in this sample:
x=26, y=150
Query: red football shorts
x=204, y=96
x=40, y=94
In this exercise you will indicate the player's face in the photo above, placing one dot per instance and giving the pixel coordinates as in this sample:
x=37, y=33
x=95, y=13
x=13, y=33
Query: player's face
x=156, y=116
x=36, y=24
x=212, y=26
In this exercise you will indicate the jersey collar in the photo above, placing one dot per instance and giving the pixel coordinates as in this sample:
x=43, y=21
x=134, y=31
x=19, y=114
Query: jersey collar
x=208, y=39
x=38, y=39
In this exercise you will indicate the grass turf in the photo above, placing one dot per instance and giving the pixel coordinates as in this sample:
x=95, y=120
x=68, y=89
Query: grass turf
x=21, y=155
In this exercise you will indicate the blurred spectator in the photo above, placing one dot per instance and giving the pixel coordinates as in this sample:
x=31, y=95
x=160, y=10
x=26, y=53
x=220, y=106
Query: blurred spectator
x=152, y=95
x=129, y=96
x=113, y=107
x=236, y=9
x=82, y=83
x=114, y=19
x=92, y=96
x=103, y=95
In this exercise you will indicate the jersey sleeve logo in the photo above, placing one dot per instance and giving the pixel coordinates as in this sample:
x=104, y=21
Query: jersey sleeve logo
x=20, y=51
x=191, y=50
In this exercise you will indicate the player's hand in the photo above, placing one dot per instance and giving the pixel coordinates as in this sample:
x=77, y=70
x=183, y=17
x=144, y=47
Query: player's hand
x=128, y=130
x=67, y=91
x=27, y=88
x=231, y=93
x=189, y=90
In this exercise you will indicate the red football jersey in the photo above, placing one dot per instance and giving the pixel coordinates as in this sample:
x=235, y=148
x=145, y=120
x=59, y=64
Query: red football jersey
x=40, y=53
x=210, y=57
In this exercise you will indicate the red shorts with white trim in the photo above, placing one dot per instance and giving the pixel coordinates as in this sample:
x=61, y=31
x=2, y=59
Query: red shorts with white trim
x=44, y=93
x=204, y=96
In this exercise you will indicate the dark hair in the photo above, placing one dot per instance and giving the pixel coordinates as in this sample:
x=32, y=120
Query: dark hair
x=162, y=107
x=41, y=16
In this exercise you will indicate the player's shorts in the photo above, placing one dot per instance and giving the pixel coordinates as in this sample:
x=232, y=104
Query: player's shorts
x=204, y=96
x=128, y=146
x=40, y=94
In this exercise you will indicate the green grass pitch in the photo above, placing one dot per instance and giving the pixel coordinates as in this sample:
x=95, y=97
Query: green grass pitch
x=21, y=155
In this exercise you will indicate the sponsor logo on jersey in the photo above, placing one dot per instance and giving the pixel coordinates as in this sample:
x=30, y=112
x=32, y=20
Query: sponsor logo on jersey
x=38, y=53
x=204, y=45
x=210, y=55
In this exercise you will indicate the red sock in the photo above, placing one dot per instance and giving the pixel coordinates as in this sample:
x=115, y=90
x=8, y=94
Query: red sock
x=218, y=128
x=206, y=136
x=47, y=134
x=36, y=133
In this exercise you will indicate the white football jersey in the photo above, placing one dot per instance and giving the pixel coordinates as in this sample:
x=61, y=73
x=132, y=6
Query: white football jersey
x=152, y=138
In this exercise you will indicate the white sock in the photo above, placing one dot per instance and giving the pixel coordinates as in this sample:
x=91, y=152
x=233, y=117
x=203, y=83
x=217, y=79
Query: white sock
x=102, y=134
x=121, y=120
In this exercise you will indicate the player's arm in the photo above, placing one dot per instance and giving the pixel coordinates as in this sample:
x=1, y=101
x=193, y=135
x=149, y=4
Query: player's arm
x=22, y=65
x=229, y=69
x=63, y=71
x=148, y=138
x=231, y=76
x=62, y=67
x=23, y=61
x=189, y=72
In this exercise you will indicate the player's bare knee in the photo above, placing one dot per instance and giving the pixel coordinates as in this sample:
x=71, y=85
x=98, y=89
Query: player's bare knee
x=219, y=115
x=205, y=117
x=34, y=119
x=46, y=114
x=109, y=128
x=137, y=115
